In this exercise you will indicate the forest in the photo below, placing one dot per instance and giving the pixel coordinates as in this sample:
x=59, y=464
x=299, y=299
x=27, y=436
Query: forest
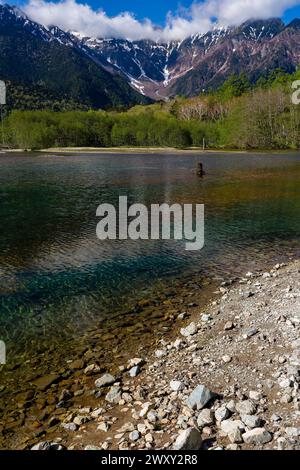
x=239, y=115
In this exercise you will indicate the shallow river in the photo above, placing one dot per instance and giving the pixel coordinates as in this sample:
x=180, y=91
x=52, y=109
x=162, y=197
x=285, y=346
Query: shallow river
x=56, y=278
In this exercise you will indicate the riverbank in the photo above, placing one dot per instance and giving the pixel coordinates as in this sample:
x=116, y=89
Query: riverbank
x=147, y=150
x=226, y=377
x=133, y=150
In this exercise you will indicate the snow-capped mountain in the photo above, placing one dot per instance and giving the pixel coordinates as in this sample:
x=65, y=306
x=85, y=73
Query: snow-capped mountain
x=156, y=69
x=151, y=68
x=50, y=65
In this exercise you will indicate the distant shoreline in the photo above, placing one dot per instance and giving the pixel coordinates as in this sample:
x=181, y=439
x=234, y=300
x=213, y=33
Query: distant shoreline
x=146, y=150
x=135, y=150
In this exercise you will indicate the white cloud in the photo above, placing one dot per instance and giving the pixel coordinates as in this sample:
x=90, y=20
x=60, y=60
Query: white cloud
x=199, y=18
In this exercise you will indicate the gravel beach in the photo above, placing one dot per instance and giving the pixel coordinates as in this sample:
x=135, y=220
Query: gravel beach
x=228, y=379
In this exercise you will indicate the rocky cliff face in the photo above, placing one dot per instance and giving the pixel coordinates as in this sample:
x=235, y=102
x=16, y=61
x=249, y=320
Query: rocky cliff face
x=203, y=60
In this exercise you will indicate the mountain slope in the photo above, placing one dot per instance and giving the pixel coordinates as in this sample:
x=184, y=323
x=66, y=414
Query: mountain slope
x=33, y=56
x=74, y=71
x=255, y=54
x=203, y=61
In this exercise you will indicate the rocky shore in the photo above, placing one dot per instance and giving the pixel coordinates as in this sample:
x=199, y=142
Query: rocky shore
x=229, y=379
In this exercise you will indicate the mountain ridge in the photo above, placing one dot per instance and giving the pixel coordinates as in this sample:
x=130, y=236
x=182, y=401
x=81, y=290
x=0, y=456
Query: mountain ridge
x=32, y=56
x=155, y=69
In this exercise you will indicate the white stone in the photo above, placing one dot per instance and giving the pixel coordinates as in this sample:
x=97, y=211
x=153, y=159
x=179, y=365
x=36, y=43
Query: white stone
x=105, y=380
x=251, y=421
x=245, y=407
x=205, y=418
x=189, y=439
x=190, y=330
x=176, y=385
x=134, y=436
x=222, y=413
x=103, y=427
x=160, y=353
x=257, y=436
x=200, y=397
x=230, y=425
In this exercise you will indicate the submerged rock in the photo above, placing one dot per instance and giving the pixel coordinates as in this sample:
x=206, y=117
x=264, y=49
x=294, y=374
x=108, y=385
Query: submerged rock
x=46, y=381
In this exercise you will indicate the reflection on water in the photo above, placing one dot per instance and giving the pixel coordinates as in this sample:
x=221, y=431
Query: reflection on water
x=56, y=277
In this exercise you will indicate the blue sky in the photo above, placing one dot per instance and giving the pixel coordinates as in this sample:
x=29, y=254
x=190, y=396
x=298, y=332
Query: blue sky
x=157, y=10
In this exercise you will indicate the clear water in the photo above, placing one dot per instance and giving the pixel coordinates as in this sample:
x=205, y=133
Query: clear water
x=56, y=278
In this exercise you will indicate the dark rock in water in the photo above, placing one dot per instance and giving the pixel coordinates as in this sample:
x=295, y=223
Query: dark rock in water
x=61, y=404
x=46, y=381
x=53, y=421
x=25, y=396
x=77, y=364
x=65, y=395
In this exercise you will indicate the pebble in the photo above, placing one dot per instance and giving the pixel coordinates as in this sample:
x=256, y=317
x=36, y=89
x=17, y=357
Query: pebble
x=228, y=426
x=47, y=445
x=249, y=333
x=176, y=385
x=205, y=418
x=152, y=416
x=222, y=413
x=80, y=420
x=69, y=426
x=149, y=438
x=200, y=397
x=227, y=359
x=92, y=369
x=114, y=395
x=105, y=380
x=189, y=439
x=190, y=330
x=134, y=371
x=134, y=436
x=251, y=421
x=245, y=407
x=228, y=326
x=257, y=436
x=103, y=427
x=136, y=361
x=160, y=353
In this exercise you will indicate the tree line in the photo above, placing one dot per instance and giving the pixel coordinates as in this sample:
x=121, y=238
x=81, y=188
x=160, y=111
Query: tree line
x=239, y=115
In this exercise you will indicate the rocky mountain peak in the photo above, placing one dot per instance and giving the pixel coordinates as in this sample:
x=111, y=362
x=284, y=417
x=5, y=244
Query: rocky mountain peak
x=201, y=61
